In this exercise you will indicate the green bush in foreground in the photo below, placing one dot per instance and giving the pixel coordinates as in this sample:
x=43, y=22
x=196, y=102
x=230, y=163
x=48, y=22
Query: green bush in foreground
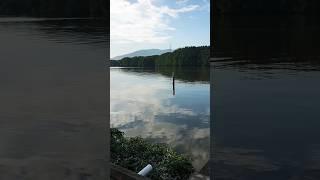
x=135, y=153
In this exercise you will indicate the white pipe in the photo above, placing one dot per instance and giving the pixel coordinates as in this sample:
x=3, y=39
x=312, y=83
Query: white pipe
x=145, y=170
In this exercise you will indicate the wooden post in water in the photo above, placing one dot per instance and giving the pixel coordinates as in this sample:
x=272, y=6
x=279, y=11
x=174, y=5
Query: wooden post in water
x=173, y=84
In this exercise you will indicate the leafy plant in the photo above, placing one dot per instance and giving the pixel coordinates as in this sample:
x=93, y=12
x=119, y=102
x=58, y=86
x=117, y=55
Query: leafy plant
x=135, y=153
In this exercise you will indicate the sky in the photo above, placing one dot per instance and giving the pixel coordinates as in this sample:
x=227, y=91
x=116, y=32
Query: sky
x=157, y=24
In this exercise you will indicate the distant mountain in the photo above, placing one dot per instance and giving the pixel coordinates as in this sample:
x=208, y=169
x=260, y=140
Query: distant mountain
x=145, y=52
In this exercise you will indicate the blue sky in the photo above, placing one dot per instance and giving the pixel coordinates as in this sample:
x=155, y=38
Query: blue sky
x=148, y=24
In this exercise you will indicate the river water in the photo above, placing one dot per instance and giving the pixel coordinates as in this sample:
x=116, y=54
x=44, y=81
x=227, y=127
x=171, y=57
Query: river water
x=265, y=101
x=52, y=108
x=266, y=120
x=144, y=103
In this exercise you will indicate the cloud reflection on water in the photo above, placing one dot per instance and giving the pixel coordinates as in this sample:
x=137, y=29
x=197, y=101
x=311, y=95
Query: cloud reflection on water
x=142, y=104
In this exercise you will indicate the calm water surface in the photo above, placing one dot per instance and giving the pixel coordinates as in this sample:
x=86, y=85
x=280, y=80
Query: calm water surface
x=265, y=107
x=52, y=124
x=266, y=120
x=143, y=104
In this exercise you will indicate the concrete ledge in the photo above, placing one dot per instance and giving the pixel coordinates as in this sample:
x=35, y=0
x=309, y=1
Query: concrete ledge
x=120, y=173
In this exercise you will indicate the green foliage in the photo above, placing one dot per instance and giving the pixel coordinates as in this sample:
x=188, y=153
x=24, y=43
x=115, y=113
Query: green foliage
x=148, y=61
x=188, y=56
x=135, y=153
x=54, y=8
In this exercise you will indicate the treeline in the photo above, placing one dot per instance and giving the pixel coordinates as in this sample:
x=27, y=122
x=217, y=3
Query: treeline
x=188, y=56
x=266, y=7
x=54, y=8
x=148, y=61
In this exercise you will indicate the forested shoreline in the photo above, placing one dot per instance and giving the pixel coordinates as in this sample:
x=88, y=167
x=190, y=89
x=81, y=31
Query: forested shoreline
x=188, y=56
x=54, y=8
x=270, y=7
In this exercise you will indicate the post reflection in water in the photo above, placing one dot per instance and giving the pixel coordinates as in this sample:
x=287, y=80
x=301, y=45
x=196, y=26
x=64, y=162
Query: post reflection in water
x=173, y=84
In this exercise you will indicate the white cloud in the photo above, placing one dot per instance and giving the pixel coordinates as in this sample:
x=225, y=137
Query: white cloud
x=142, y=21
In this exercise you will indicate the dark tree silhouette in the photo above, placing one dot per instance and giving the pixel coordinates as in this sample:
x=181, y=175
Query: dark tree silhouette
x=188, y=56
x=54, y=8
x=266, y=7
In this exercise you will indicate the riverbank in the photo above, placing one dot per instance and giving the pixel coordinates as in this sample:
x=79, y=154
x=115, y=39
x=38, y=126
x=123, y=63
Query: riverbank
x=135, y=153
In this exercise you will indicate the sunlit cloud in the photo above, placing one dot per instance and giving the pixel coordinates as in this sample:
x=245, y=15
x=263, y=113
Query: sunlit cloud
x=142, y=21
